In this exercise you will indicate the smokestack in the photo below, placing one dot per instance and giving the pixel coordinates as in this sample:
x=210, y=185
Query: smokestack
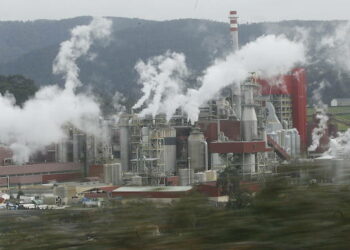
x=234, y=29
x=235, y=90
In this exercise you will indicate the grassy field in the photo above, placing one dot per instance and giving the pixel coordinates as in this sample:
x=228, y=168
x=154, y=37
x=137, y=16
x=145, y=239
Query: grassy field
x=280, y=216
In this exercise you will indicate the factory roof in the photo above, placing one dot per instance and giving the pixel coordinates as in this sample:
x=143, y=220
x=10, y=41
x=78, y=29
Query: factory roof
x=38, y=168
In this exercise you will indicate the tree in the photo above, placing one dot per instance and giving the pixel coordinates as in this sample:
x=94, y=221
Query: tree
x=20, y=87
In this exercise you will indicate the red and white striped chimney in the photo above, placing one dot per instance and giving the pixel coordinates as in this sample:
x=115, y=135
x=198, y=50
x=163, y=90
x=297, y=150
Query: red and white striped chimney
x=234, y=29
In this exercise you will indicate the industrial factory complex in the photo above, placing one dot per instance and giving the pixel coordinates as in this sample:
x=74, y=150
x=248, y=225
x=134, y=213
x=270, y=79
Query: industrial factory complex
x=253, y=127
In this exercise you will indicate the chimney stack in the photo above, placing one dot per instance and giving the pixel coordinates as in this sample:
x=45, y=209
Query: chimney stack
x=234, y=29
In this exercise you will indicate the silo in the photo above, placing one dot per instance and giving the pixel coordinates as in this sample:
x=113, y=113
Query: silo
x=249, y=118
x=76, y=147
x=145, y=135
x=113, y=174
x=287, y=146
x=124, y=142
x=107, y=172
x=249, y=125
x=292, y=142
x=196, y=150
x=170, y=150
x=186, y=176
x=62, y=152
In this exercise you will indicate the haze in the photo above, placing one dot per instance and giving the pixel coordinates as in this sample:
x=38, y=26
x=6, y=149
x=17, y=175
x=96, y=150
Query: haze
x=250, y=10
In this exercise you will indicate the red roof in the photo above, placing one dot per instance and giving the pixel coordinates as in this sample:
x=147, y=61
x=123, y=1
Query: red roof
x=39, y=168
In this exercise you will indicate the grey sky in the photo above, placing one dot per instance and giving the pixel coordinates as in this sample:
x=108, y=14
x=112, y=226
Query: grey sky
x=249, y=10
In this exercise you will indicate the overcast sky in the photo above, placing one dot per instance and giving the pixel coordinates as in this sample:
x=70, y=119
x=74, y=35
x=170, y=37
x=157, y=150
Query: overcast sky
x=249, y=10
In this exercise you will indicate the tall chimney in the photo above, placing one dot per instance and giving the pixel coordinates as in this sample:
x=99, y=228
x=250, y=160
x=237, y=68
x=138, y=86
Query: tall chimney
x=235, y=89
x=234, y=29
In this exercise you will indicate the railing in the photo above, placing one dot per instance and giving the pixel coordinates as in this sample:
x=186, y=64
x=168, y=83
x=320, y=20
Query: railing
x=278, y=149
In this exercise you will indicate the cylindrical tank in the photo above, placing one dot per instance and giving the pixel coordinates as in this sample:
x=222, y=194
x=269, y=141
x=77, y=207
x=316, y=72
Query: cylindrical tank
x=76, y=150
x=170, y=150
x=62, y=152
x=124, y=142
x=249, y=119
x=248, y=164
x=107, y=172
x=145, y=135
x=186, y=176
x=196, y=150
x=116, y=173
x=287, y=143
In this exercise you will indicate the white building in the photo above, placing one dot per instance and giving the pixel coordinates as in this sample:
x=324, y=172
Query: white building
x=340, y=102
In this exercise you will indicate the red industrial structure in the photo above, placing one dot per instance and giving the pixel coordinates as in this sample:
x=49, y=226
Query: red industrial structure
x=294, y=86
x=39, y=173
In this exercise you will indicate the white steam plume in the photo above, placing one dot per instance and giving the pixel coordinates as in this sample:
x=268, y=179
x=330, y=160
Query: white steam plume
x=162, y=80
x=162, y=86
x=40, y=122
x=340, y=146
x=321, y=116
x=337, y=47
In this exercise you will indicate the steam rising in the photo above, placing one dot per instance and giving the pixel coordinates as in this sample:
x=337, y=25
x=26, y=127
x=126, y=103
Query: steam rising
x=41, y=120
x=321, y=116
x=340, y=146
x=162, y=77
x=338, y=47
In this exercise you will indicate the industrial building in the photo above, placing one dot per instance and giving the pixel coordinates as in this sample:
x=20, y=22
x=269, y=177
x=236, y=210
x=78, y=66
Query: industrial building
x=252, y=127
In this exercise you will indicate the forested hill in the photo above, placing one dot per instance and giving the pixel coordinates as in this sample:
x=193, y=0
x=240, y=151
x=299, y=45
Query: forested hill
x=28, y=48
x=20, y=87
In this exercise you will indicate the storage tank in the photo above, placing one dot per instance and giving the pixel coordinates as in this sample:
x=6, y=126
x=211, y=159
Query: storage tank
x=62, y=155
x=113, y=174
x=107, y=173
x=145, y=135
x=249, y=118
x=249, y=164
x=186, y=176
x=76, y=157
x=124, y=142
x=170, y=150
x=249, y=124
x=197, y=150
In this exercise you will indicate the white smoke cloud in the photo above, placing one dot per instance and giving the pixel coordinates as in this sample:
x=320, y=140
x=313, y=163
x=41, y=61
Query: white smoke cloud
x=40, y=122
x=337, y=47
x=336, y=51
x=321, y=115
x=268, y=56
x=79, y=45
x=339, y=146
x=162, y=80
